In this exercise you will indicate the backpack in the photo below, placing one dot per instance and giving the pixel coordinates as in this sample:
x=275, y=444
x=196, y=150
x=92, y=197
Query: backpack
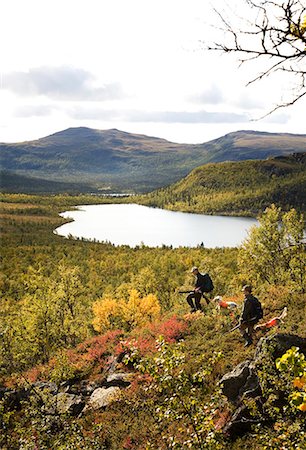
x=258, y=311
x=209, y=285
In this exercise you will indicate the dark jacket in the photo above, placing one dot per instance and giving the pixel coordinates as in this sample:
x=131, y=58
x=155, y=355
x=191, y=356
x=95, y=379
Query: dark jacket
x=249, y=311
x=201, y=282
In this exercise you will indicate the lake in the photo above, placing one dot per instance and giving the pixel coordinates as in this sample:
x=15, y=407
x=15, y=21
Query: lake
x=131, y=224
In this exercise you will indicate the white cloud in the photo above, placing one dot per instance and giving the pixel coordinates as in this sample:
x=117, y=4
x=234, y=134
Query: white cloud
x=212, y=95
x=33, y=110
x=60, y=83
x=132, y=64
x=170, y=117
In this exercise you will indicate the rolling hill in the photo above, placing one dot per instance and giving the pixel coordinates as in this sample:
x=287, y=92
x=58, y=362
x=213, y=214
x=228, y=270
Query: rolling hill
x=20, y=184
x=116, y=160
x=238, y=188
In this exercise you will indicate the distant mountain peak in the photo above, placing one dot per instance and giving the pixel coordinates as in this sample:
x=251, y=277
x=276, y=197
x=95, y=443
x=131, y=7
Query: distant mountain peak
x=134, y=161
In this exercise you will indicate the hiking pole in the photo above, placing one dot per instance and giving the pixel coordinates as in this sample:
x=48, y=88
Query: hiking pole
x=186, y=292
x=239, y=324
x=233, y=329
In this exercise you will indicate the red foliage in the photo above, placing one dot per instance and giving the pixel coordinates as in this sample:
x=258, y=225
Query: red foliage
x=171, y=329
x=142, y=344
x=128, y=443
x=98, y=348
x=94, y=351
x=34, y=373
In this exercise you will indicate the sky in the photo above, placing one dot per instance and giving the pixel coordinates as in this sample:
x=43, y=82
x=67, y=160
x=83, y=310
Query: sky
x=140, y=66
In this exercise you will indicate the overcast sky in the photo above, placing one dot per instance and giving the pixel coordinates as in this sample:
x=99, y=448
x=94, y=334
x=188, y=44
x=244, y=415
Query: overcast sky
x=136, y=65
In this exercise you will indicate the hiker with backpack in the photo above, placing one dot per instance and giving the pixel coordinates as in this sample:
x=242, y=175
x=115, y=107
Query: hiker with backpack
x=203, y=285
x=251, y=313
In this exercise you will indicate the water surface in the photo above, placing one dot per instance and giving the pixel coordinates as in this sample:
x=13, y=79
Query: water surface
x=131, y=224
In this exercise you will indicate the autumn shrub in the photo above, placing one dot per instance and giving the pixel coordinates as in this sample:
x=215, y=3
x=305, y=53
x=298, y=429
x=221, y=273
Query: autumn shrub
x=183, y=418
x=107, y=314
x=131, y=346
x=292, y=366
x=136, y=311
x=171, y=329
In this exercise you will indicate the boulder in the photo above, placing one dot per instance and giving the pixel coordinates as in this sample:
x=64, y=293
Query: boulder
x=102, y=397
x=241, y=381
x=241, y=422
x=120, y=379
x=85, y=388
x=279, y=343
x=68, y=403
x=48, y=386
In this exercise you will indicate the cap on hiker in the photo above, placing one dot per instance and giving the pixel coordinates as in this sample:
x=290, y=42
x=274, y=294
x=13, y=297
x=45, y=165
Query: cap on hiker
x=193, y=269
x=247, y=287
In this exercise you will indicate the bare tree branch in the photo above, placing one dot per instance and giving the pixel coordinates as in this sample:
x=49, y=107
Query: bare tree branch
x=277, y=36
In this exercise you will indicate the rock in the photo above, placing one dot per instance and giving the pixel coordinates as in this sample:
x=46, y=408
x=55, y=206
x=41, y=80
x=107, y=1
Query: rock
x=241, y=381
x=45, y=385
x=280, y=343
x=120, y=379
x=68, y=403
x=102, y=397
x=85, y=388
x=241, y=422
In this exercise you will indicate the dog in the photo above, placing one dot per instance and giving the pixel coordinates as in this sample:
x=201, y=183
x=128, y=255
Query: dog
x=224, y=304
x=272, y=322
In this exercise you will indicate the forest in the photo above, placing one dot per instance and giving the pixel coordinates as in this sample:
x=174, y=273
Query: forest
x=237, y=188
x=70, y=308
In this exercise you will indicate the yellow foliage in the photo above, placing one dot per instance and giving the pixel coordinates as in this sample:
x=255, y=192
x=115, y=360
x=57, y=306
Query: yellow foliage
x=139, y=310
x=107, y=312
x=302, y=407
x=299, y=382
x=299, y=30
x=110, y=313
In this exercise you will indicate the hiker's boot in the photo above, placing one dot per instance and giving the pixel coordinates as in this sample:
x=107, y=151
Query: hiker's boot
x=247, y=338
x=248, y=341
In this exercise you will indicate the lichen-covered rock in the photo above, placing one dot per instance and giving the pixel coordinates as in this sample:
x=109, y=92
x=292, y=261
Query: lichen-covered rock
x=85, y=388
x=243, y=383
x=102, y=397
x=279, y=343
x=233, y=383
x=120, y=379
x=68, y=403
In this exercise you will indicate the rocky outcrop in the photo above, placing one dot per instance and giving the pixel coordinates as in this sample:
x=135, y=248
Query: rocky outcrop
x=279, y=344
x=242, y=383
x=102, y=397
x=121, y=379
x=70, y=398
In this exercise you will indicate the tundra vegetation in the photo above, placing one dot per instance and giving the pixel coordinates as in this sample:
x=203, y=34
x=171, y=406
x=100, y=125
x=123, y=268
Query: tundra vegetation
x=70, y=306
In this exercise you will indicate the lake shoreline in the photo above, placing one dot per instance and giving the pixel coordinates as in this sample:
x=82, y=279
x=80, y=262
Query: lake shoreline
x=135, y=225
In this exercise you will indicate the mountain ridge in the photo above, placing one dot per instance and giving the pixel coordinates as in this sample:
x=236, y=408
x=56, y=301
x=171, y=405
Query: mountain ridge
x=137, y=162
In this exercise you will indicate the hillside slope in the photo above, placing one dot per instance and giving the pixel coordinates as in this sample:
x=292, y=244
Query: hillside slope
x=121, y=160
x=15, y=183
x=245, y=187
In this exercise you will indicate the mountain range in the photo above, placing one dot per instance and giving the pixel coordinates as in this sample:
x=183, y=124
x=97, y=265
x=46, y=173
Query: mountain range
x=113, y=160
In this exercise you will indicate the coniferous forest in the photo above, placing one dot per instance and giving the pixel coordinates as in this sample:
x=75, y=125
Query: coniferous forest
x=80, y=318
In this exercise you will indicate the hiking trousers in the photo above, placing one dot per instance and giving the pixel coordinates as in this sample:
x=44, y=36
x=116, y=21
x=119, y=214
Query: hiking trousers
x=247, y=330
x=196, y=306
